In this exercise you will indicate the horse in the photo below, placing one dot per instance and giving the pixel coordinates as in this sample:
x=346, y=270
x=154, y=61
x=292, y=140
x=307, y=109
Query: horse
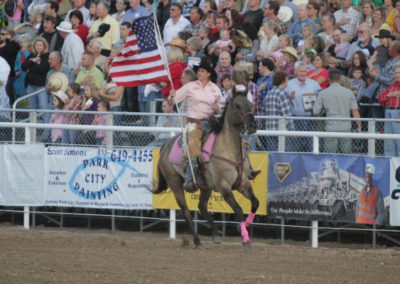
x=226, y=171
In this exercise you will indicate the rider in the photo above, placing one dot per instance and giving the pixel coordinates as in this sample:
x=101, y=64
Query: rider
x=204, y=98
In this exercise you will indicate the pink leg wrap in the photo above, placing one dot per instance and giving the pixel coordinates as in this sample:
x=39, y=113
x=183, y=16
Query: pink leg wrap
x=244, y=232
x=250, y=219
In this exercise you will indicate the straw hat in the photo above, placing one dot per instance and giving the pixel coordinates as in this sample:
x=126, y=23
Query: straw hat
x=58, y=82
x=291, y=50
x=177, y=42
x=285, y=14
x=61, y=95
x=299, y=2
x=65, y=27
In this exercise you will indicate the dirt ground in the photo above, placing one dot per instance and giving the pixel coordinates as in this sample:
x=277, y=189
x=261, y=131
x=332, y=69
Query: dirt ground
x=85, y=256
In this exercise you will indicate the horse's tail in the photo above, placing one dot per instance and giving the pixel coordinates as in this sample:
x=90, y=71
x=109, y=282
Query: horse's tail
x=161, y=185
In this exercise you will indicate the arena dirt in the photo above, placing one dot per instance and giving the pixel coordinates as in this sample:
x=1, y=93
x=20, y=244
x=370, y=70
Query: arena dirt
x=97, y=256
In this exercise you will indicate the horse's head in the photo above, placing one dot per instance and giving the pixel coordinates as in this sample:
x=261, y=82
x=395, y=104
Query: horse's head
x=239, y=113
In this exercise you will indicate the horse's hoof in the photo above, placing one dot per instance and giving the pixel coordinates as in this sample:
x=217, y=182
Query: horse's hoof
x=216, y=240
x=246, y=246
x=198, y=246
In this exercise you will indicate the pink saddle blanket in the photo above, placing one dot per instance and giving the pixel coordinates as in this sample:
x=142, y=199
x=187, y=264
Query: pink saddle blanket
x=176, y=153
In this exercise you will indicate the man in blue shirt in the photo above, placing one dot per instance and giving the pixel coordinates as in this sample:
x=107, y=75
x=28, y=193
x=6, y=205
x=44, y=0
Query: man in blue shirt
x=136, y=11
x=296, y=29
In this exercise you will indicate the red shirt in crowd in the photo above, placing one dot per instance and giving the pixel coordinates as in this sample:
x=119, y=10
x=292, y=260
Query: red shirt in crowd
x=176, y=70
x=391, y=96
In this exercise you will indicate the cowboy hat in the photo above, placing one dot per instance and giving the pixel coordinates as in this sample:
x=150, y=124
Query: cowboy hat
x=206, y=64
x=370, y=168
x=65, y=27
x=61, y=95
x=384, y=33
x=58, y=82
x=285, y=14
x=290, y=50
x=177, y=42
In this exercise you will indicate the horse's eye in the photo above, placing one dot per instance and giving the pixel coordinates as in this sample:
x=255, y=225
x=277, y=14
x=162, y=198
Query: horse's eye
x=237, y=106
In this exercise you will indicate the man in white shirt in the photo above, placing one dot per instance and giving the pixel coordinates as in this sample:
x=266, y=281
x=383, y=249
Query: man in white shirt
x=175, y=24
x=73, y=47
x=347, y=18
x=79, y=5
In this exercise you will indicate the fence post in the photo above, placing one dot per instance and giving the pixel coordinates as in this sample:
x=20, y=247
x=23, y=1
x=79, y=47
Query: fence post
x=371, y=142
x=281, y=139
x=314, y=223
x=32, y=132
x=172, y=224
x=109, y=134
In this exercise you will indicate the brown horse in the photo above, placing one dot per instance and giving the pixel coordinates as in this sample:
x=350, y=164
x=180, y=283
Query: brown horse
x=225, y=172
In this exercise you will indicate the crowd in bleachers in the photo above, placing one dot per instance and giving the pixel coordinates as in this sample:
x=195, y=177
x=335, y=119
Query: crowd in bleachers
x=251, y=42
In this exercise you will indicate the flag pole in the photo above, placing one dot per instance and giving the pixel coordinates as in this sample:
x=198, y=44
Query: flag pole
x=165, y=61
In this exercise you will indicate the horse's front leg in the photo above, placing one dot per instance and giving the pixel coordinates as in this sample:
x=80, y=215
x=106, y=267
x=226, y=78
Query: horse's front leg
x=249, y=194
x=204, y=196
x=230, y=199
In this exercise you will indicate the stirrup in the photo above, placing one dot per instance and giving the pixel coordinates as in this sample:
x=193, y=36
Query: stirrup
x=189, y=186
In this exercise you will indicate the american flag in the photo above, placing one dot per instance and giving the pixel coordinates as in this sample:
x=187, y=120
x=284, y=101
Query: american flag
x=140, y=61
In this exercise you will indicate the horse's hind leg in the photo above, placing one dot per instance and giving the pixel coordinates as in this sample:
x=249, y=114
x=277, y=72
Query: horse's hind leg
x=204, y=196
x=180, y=199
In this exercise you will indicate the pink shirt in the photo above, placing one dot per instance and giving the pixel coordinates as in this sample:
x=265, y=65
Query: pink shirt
x=18, y=12
x=200, y=99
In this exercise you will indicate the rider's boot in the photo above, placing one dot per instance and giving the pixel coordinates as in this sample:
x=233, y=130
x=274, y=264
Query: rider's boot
x=189, y=185
x=253, y=173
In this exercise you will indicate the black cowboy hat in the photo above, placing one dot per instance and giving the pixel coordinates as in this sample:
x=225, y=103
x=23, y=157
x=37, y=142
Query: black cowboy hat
x=385, y=34
x=206, y=64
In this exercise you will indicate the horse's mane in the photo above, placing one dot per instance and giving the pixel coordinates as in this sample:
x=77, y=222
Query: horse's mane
x=215, y=124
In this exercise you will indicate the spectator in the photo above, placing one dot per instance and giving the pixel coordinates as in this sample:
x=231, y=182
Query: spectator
x=51, y=10
x=357, y=81
x=266, y=68
x=162, y=12
x=80, y=6
x=343, y=47
x=101, y=119
x=15, y=19
x=95, y=46
x=195, y=47
x=4, y=100
x=175, y=24
x=120, y=6
x=296, y=28
x=366, y=13
x=302, y=91
x=9, y=50
x=196, y=21
x=381, y=54
x=209, y=5
x=111, y=35
x=176, y=67
x=74, y=104
x=59, y=101
x=307, y=34
x=89, y=102
x=89, y=73
x=224, y=65
x=76, y=19
x=226, y=86
x=37, y=66
x=320, y=73
x=22, y=56
x=253, y=16
x=211, y=21
x=56, y=65
x=271, y=10
x=313, y=13
x=73, y=48
x=136, y=11
x=269, y=41
x=164, y=121
x=32, y=26
x=290, y=57
x=347, y=17
x=277, y=103
x=224, y=43
x=328, y=28
x=390, y=100
x=359, y=60
x=338, y=102
x=53, y=38
x=378, y=21
x=92, y=13
x=233, y=17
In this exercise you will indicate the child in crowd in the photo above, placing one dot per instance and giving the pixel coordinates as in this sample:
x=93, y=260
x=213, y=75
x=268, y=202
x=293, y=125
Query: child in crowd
x=223, y=44
x=59, y=101
x=307, y=33
x=357, y=81
x=381, y=54
x=89, y=102
x=92, y=13
x=22, y=55
x=74, y=104
x=204, y=35
x=120, y=6
x=308, y=57
x=226, y=86
x=289, y=57
x=101, y=119
x=343, y=47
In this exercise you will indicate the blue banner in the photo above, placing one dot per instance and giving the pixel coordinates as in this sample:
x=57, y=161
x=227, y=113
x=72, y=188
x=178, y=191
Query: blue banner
x=324, y=187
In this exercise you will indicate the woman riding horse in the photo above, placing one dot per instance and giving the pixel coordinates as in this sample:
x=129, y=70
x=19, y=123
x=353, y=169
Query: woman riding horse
x=204, y=99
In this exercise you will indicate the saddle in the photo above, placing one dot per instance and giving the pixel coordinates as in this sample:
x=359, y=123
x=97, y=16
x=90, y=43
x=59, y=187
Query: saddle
x=176, y=154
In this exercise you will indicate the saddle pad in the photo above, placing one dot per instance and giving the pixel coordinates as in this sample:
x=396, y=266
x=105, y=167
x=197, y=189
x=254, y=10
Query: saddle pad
x=175, y=155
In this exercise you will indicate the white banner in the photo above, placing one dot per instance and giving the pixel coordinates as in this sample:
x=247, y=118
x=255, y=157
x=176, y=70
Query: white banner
x=395, y=192
x=21, y=175
x=99, y=177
